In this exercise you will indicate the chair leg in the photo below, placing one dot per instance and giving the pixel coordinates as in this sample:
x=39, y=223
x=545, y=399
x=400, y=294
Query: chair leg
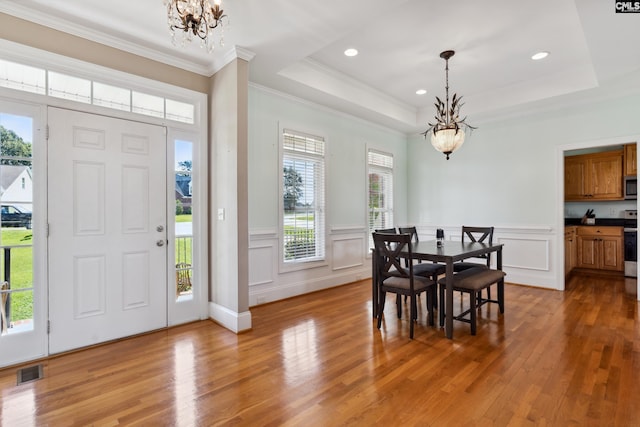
x=472, y=297
x=412, y=315
x=399, y=305
x=501, y=295
x=430, y=300
x=435, y=290
x=383, y=296
x=441, y=309
x=414, y=309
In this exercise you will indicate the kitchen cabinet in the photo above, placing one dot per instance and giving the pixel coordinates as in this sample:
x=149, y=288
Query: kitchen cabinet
x=570, y=249
x=596, y=176
x=600, y=248
x=630, y=160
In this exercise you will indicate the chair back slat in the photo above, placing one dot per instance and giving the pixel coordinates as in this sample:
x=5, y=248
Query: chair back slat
x=410, y=230
x=480, y=235
x=388, y=248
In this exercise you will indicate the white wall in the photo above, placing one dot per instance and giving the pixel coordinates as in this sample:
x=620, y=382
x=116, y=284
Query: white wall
x=346, y=193
x=508, y=174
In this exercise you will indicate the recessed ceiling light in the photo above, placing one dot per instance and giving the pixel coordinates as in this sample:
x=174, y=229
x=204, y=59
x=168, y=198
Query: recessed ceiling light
x=540, y=55
x=421, y=91
x=351, y=52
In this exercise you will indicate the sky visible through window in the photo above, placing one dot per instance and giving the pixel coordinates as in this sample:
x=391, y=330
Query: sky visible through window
x=21, y=125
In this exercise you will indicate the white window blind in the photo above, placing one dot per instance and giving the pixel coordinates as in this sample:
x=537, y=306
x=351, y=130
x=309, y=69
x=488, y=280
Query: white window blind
x=380, y=166
x=303, y=197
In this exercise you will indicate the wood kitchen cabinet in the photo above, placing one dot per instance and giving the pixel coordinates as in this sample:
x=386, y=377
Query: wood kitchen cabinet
x=596, y=176
x=630, y=160
x=600, y=248
x=570, y=249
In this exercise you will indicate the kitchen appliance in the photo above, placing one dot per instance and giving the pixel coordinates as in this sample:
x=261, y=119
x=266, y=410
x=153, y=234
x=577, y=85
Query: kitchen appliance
x=630, y=187
x=631, y=243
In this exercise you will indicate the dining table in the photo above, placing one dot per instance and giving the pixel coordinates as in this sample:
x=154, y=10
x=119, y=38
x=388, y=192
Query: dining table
x=446, y=252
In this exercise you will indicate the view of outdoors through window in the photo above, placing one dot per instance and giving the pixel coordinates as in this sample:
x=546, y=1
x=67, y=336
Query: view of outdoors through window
x=303, y=196
x=183, y=219
x=16, y=236
x=380, y=191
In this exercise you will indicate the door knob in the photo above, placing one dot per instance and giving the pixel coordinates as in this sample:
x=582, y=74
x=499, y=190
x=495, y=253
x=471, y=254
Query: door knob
x=160, y=243
x=159, y=228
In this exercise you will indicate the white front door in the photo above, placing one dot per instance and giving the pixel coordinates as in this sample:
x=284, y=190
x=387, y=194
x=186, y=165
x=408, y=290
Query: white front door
x=107, y=228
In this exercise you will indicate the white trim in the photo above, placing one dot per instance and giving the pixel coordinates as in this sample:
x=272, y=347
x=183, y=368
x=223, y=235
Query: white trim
x=348, y=229
x=285, y=267
x=232, y=320
x=58, y=63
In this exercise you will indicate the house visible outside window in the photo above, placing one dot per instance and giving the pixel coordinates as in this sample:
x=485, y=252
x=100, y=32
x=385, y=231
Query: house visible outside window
x=302, y=197
x=380, y=170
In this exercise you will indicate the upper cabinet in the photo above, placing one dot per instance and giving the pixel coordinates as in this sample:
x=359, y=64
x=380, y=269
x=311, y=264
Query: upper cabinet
x=596, y=176
x=630, y=162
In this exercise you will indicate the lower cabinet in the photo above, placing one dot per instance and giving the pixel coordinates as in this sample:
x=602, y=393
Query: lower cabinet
x=570, y=249
x=600, y=248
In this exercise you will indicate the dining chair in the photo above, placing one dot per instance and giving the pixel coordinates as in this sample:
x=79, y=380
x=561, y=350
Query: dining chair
x=473, y=281
x=481, y=235
x=397, y=278
x=475, y=234
x=431, y=270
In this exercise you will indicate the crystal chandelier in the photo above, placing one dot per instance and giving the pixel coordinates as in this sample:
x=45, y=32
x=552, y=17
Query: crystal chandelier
x=448, y=132
x=189, y=18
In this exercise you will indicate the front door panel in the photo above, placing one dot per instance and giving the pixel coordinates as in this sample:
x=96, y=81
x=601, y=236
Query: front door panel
x=107, y=222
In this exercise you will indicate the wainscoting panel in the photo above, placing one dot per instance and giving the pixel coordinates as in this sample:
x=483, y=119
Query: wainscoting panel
x=345, y=263
x=347, y=252
x=262, y=260
x=525, y=253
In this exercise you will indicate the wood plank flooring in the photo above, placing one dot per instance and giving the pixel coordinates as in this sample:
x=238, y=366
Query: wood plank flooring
x=553, y=359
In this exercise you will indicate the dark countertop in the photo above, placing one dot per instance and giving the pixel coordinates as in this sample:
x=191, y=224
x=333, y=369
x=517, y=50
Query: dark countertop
x=614, y=222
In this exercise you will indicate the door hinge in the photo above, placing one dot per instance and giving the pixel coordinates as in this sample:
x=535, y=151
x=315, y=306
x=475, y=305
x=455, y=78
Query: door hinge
x=47, y=230
x=48, y=326
x=47, y=136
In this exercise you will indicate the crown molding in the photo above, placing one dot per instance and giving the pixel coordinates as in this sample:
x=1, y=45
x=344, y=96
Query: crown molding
x=87, y=33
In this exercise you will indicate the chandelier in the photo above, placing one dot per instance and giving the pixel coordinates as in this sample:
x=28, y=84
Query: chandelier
x=448, y=132
x=189, y=18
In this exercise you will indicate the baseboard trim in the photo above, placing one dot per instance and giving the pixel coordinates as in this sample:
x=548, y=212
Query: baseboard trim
x=234, y=321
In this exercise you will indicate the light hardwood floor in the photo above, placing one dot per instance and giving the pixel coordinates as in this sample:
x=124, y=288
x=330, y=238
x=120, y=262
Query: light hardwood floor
x=554, y=358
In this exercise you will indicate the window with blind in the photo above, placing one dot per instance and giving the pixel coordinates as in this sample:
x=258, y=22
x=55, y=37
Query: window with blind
x=302, y=197
x=380, y=212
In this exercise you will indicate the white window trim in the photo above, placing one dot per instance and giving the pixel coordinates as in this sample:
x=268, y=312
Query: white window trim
x=34, y=57
x=369, y=168
x=285, y=267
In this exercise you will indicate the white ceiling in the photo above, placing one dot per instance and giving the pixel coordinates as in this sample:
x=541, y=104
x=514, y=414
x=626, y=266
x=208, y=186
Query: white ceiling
x=299, y=44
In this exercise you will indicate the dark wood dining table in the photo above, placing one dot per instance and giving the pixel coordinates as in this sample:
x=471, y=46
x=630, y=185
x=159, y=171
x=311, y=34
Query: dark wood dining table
x=450, y=252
